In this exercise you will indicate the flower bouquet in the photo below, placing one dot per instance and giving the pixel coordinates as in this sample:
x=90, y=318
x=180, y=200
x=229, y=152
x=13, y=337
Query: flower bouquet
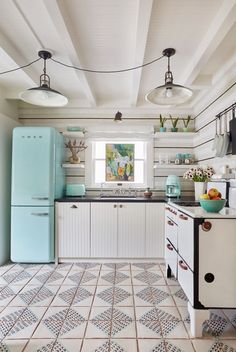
x=199, y=174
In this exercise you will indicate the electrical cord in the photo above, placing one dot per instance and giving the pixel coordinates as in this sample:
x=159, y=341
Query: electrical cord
x=107, y=71
x=20, y=68
x=85, y=69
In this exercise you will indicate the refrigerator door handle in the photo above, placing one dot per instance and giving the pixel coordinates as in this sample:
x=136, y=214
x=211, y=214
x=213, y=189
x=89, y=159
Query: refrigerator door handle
x=40, y=198
x=40, y=214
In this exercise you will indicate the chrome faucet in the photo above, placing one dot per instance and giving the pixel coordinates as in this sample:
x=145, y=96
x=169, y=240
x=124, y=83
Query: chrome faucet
x=101, y=189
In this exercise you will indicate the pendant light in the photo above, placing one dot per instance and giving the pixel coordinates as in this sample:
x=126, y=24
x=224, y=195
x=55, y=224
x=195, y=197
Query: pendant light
x=44, y=95
x=169, y=93
x=118, y=117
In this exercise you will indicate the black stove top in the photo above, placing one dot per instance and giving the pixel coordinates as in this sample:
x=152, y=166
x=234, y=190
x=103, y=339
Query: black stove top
x=186, y=203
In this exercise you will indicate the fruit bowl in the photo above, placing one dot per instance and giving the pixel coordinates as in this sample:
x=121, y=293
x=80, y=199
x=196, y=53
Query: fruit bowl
x=212, y=205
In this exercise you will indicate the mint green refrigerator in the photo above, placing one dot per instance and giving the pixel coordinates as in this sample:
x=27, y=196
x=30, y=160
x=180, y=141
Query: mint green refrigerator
x=37, y=180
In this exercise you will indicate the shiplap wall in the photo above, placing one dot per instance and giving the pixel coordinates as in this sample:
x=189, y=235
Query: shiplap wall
x=169, y=145
x=163, y=146
x=205, y=133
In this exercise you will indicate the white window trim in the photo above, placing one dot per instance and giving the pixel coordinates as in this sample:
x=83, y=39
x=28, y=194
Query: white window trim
x=90, y=164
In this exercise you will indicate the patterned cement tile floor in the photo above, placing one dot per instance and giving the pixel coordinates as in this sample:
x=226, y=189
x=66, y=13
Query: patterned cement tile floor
x=93, y=307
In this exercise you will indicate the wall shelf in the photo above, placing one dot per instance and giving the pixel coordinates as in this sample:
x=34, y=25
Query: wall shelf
x=173, y=166
x=74, y=166
x=160, y=135
x=77, y=134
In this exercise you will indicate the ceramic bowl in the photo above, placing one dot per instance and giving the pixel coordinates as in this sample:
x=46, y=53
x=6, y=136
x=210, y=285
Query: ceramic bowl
x=212, y=206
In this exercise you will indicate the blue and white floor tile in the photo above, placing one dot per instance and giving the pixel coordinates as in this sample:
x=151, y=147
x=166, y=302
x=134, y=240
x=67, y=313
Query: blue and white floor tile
x=109, y=307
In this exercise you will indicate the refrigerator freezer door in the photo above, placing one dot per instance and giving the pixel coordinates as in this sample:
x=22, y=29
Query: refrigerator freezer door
x=32, y=239
x=33, y=166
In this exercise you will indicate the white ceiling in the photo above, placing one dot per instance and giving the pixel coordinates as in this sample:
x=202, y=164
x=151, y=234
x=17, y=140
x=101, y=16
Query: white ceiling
x=112, y=35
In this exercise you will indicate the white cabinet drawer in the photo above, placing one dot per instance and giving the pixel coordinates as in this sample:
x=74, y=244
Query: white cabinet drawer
x=186, y=238
x=171, y=257
x=185, y=278
x=171, y=231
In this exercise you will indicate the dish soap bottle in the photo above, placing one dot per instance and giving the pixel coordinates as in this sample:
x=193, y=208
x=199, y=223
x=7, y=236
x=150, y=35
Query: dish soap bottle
x=147, y=193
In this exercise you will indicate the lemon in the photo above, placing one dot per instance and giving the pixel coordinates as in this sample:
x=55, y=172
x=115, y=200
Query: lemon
x=204, y=196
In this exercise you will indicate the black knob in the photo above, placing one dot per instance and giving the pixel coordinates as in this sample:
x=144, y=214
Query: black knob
x=209, y=277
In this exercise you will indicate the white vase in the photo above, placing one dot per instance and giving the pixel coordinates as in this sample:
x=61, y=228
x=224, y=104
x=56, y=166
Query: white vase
x=199, y=189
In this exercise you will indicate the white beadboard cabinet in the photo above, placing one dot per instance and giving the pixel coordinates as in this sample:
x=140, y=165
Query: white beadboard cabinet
x=73, y=229
x=131, y=230
x=155, y=230
x=104, y=229
x=109, y=230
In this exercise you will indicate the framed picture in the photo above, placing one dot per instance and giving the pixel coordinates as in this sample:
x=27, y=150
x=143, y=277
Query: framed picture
x=120, y=162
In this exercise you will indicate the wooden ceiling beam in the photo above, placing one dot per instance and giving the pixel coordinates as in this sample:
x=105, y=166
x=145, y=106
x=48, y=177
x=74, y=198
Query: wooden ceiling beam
x=142, y=27
x=63, y=29
x=220, y=26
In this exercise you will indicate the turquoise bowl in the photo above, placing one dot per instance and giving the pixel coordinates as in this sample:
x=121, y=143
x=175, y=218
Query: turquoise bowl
x=212, y=206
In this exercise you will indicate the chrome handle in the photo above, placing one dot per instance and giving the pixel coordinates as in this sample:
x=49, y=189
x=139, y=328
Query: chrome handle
x=181, y=264
x=74, y=206
x=170, y=223
x=115, y=205
x=183, y=217
x=40, y=198
x=169, y=247
x=121, y=206
x=40, y=214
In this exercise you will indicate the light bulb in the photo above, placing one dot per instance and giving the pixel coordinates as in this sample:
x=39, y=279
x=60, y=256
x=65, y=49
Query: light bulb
x=168, y=93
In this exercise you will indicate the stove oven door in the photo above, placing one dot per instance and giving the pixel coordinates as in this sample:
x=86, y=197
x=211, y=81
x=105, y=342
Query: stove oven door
x=217, y=263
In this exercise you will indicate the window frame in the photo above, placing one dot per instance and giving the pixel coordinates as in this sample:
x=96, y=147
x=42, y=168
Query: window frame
x=147, y=163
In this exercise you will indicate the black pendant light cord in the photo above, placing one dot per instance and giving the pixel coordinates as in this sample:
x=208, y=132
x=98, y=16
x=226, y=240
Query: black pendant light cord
x=85, y=69
x=108, y=71
x=20, y=68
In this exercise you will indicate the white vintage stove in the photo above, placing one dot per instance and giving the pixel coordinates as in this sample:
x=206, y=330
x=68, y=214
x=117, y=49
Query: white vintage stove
x=200, y=252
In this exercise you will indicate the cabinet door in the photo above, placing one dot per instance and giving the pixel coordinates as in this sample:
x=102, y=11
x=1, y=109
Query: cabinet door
x=217, y=263
x=104, y=229
x=155, y=230
x=73, y=230
x=131, y=230
x=185, y=238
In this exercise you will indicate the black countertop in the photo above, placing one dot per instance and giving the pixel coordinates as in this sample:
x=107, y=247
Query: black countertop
x=154, y=199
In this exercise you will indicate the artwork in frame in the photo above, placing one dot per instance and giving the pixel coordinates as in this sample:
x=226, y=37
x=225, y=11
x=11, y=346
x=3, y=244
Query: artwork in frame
x=119, y=162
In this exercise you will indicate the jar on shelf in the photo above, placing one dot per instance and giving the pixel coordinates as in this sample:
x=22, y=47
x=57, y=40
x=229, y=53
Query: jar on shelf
x=178, y=159
x=187, y=158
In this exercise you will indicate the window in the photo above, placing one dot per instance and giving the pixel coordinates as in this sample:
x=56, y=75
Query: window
x=98, y=166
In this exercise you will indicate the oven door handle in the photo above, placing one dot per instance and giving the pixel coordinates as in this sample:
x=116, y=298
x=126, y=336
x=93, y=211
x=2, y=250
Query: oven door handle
x=170, y=223
x=182, y=265
x=183, y=217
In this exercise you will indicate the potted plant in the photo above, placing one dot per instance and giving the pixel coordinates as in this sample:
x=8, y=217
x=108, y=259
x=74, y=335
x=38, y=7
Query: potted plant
x=174, y=121
x=162, y=123
x=186, y=123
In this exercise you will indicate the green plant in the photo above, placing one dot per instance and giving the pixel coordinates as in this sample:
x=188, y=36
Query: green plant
x=162, y=120
x=186, y=121
x=174, y=121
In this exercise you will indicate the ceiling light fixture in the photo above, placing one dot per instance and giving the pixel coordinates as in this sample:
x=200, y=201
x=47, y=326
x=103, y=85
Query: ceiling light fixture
x=169, y=93
x=118, y=117
x=44, y=95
